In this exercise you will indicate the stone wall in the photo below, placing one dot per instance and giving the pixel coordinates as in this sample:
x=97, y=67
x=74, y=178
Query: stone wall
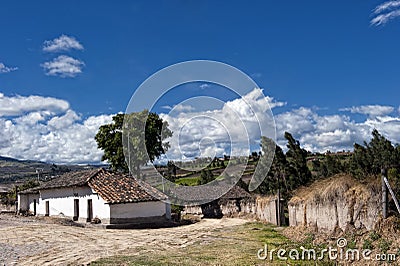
x=260, y=207
x=7, y=208
x=335, y=204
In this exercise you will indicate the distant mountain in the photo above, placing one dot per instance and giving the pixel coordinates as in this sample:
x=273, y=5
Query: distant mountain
x=14, y=170
x=2, y=158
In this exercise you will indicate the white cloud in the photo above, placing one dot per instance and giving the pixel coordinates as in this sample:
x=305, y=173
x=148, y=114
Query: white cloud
x=333, y=132
x=62, y=43
x=217, y=131
x=46, y=129
x=380, y=17
x=19, y=105
x=386, y=6
x=63, y=66
x=182, y=108
x=371, y=110
x=167, y=107
x=384, y=18
x=6, y=69
x=204, y=86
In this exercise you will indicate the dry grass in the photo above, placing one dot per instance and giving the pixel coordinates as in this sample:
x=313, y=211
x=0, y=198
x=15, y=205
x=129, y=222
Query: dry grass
x=338, y=186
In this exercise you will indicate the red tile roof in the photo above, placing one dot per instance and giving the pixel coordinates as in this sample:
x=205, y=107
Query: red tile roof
x=122, y=188
x=112, y=187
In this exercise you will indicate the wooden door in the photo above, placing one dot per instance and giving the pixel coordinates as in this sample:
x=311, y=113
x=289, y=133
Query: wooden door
x=76, y=210
x=47, y=208
x=34, y=207
x=89, y=210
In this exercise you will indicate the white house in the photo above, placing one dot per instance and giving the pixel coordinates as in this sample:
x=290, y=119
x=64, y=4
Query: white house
x=114, y=198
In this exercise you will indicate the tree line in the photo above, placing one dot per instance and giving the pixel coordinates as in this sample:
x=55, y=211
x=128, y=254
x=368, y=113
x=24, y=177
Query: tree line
x=289, y=170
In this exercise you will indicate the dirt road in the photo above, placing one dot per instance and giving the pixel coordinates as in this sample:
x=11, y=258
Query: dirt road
x=26, y=241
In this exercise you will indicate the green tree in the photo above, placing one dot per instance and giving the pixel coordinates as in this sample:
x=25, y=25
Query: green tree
x=171, y=171
x=373, y=156
x=206, y=176
x=329, y=166
x=109, y=139
x=276, y=175
x=144, y=133
x=333, y=165
x=298, y=173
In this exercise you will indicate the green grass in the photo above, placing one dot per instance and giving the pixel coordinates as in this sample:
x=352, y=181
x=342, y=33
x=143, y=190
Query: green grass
x=190, y=181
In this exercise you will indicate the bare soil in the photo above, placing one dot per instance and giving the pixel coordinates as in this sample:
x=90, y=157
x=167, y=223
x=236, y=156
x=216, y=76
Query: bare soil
x=46, y=241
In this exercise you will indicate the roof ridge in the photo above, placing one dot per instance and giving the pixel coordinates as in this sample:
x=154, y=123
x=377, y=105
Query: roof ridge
x=96, y=172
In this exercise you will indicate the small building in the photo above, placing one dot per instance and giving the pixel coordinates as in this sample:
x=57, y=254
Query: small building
x=4, y=191
x=235, y=202
x=114, y=198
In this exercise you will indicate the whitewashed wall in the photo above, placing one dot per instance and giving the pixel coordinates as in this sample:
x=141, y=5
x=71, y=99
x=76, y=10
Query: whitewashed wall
x=138, y=210
x=61, y=202
x=26, y=202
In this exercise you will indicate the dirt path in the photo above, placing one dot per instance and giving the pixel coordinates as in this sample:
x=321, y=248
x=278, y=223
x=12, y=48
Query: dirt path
x=38, y=243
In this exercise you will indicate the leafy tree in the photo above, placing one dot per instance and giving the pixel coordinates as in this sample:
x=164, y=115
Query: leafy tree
x=109, y=139
x=329, y=166
x=254, y=155
x=171, y=173
x=276, y=175
x=319, y=168
x=296, y=156
x=206, y=176
x=144, y=137
x=333, y=165
x=373, y=156
x=10, y=197
x=287, y=172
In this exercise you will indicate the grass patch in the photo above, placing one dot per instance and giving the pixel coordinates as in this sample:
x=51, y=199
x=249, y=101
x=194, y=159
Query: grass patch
x=188, y=181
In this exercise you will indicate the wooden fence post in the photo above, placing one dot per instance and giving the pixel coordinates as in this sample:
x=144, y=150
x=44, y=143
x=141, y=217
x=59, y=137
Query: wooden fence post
x=278, y=207
x=384, y=195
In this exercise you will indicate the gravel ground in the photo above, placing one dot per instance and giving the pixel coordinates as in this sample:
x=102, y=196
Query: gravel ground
x=45, y=241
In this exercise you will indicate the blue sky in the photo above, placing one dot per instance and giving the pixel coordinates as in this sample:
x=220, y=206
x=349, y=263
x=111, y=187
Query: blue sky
x=326, y=58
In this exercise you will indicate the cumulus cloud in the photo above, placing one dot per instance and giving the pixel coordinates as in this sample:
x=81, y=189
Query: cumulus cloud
x=63, y=66
x=46, y=129
x=6, y=69
x=371, y=110
x=211, y=132
x=62, y=43
x=385, y=12
x=19, y=105
x=319, y=133
x=228, y=130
